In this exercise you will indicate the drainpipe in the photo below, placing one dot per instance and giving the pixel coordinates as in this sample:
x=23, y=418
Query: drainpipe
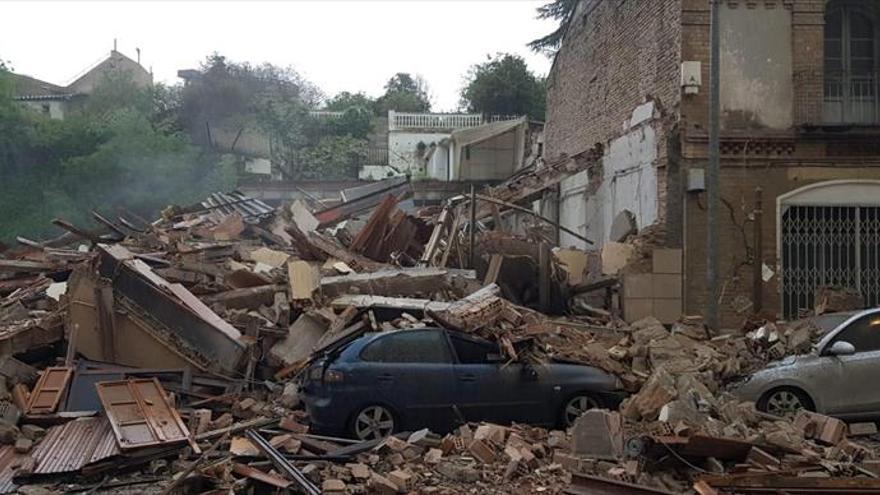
x=712, y=182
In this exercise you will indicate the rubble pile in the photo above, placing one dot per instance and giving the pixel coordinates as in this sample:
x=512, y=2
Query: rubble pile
x=165, y=356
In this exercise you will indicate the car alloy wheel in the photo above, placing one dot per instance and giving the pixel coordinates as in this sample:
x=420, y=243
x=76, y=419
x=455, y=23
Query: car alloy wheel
x=784, y=403
x=373, y=422
x=577, y=406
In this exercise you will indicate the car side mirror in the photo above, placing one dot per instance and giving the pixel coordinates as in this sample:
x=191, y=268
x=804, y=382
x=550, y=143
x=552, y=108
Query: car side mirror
x=841, y=348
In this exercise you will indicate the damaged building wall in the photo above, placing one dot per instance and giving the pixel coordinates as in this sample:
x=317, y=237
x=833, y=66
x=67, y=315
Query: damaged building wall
x=780, y=156
x=627, y=181
x=615, y=82
x=756, y=66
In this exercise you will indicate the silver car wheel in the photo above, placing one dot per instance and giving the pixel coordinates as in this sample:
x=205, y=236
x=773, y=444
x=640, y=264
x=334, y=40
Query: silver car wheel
x=373, y=422
x=784, y=403
x=577, y=406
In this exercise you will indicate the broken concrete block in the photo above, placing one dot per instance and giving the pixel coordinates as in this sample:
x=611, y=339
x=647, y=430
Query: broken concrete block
x=32, y=432
x=433, y=456
x=292, y=425
x=457, y=472
x=381, y=485
x=8, y=433
x=304, y=278
x=401, y=478
x=832, y=432
x=290, y=396
x=658, y=391
x=492, y=432
x=483, y=452
x=333, y=486
x=359, y=471
x=598, y=434
x=861, y=429
x=275, y=259
x=23, y=445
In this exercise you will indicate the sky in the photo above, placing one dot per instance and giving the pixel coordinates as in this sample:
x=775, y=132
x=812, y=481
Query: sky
x=338, y=45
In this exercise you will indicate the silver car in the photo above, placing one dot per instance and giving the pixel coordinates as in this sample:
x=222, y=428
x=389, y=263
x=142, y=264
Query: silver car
x=837, y=378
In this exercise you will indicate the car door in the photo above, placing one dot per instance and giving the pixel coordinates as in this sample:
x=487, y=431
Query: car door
x=491, y=390
x=851, y=379
x=412, y=372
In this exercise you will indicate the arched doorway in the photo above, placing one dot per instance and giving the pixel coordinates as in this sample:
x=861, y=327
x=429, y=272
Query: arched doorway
x=828, y=234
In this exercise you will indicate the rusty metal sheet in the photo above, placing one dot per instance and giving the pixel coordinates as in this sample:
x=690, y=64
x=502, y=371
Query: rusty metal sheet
x=73, y=445
x=10, y=462
x=593, y=485
x=49, y=390
x=728, y=449
x=794, y=485
x=140, y=414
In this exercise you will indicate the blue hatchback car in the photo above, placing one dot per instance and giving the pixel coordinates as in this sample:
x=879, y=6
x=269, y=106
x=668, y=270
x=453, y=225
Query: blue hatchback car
x=435, y=378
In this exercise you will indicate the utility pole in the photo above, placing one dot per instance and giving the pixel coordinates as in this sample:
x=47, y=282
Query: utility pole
x=712, y=183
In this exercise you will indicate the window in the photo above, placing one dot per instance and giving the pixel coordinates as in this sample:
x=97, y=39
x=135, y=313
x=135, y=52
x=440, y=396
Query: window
x=851, y=62
x=473, y=352
x=863, y=334
x=409, y=346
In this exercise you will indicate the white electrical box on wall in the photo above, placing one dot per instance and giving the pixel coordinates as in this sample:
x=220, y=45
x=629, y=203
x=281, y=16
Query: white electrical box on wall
x=691, y=77
x=696, y=180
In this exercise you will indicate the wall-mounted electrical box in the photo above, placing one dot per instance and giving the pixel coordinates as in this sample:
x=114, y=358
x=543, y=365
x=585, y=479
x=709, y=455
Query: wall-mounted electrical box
x=691, y=77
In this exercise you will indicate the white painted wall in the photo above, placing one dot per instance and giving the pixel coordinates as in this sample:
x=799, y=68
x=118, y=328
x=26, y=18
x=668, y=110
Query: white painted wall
x=629, y=182
x=402, y=146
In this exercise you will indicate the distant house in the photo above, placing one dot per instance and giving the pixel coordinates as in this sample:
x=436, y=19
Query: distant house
x=456, y=147
x=57, y=101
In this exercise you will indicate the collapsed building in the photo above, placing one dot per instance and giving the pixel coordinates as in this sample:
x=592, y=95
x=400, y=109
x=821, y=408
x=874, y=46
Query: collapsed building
x=164, y=356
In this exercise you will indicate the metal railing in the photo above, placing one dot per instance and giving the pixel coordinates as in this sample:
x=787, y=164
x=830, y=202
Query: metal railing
x=325, y=114
x=377, y=156
x=851, y=98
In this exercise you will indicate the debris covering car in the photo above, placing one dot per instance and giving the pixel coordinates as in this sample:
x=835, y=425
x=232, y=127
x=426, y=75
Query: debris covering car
x=435, y=378
x=831, y=379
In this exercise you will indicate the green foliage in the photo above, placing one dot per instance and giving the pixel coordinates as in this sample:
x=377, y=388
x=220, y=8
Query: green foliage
x=345, y=100
x=116, y=153
x=234, y=94
x=334, y=157
x=504, y=85
x=562, y=11
x=404, y=93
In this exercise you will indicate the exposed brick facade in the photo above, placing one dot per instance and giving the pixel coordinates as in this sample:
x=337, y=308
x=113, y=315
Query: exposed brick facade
x=618, y=54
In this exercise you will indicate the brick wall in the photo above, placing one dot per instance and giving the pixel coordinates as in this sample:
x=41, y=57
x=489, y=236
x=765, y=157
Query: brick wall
x=616, y=56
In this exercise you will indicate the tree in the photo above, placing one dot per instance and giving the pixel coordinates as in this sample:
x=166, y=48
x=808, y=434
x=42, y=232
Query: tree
x=237, y=95
x=504, y=85
x=345, y=100
x=112, y=154
x=404, y=93
x=562, y=11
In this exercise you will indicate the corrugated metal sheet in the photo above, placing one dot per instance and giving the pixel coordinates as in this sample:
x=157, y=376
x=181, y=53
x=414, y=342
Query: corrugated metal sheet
x=69, y=447
x=251, y=210
x=10, y=462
